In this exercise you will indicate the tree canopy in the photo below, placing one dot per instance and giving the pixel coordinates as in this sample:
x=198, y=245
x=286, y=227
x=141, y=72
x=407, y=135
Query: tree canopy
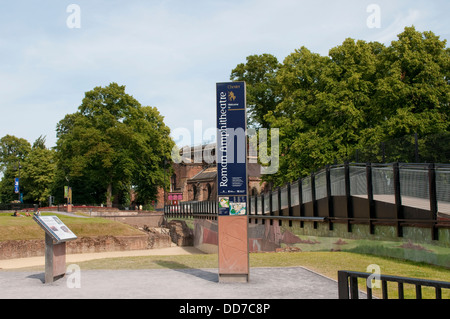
x=361, y=95
x=112, y=145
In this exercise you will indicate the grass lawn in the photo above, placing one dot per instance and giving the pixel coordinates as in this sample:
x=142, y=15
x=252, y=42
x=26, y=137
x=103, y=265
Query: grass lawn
x=25, y=228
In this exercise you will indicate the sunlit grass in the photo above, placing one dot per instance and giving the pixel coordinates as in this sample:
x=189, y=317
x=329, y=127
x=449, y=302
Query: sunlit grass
x=25, y=228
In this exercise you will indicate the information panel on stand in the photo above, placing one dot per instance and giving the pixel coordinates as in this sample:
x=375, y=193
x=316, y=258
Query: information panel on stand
x=232, y=148
x=53, y=226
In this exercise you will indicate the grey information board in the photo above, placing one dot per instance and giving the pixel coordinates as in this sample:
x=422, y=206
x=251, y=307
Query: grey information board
x=54, y=227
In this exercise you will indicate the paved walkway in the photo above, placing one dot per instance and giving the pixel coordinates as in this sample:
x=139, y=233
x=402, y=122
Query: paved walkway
x=265, y=283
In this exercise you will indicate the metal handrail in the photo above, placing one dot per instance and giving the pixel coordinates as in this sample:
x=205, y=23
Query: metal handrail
x=350, y=291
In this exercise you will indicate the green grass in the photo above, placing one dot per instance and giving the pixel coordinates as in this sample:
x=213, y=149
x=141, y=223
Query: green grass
x=25, y=228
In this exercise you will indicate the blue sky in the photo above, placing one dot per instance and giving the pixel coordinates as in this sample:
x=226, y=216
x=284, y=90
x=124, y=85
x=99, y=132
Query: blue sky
x=169, y=54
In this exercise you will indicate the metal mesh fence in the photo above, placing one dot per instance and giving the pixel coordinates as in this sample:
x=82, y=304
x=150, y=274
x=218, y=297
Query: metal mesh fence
x=414, y=182
x=274, y=201
x=443, y=188
x=294, y=194
x=306, y=190
x=284, y=197
x=267, y=203
x=259, y=205
x=383, y=180
x=358, y=181
x=321, y=185
x=337, y=178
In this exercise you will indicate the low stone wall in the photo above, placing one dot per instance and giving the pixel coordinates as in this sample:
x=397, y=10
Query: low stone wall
x=33, y=248
x=136, y=220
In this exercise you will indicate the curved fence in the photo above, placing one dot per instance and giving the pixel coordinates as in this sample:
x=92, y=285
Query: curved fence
x=397, y=193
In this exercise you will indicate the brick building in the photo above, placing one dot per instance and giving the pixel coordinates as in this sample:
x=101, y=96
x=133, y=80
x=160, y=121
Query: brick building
x=198, y=181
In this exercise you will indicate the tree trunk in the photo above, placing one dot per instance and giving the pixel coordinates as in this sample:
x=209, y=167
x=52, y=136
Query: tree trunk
x=109, y=195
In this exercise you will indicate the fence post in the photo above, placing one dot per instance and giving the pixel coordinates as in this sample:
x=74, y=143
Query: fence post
x=280, y=213
x=398, y=198
x=329, y=198
x=289, y=202
x=433, y=199
x=256, y=208
x=271, y=206
x=343, y=290
x=370, y=197
x=263, y=207
x=300, y=201
x=313, y=197
x=348, y=196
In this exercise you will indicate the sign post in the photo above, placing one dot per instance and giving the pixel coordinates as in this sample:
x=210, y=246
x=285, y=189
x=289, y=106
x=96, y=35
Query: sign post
x=232, y=182
x=56, y=236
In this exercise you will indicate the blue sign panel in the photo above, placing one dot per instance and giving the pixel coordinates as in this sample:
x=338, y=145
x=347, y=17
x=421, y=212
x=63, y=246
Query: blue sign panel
x=231, y=142
x=16, y=185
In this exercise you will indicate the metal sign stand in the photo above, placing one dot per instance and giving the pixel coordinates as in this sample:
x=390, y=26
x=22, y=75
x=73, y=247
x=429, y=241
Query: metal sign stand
x=55, y=259
x=56, y=236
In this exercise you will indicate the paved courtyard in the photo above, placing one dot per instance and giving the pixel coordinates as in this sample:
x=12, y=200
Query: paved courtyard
x=265, y=283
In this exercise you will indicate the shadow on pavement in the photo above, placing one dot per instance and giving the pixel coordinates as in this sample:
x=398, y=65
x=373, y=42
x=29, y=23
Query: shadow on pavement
x=199, y=273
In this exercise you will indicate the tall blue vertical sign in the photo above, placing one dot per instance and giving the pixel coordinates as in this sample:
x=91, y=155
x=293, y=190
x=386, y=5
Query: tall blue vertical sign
x=232, y=184
x=232, y=148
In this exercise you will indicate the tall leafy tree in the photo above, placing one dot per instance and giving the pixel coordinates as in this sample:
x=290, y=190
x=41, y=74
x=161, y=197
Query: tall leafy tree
x=259, y=73
x=412, y=92
x=13, y=152
x=39, y=171
x=111, y=145
x=360, y=96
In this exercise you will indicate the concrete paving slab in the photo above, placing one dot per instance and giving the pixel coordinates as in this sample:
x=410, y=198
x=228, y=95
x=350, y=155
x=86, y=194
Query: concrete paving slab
x=265, y=283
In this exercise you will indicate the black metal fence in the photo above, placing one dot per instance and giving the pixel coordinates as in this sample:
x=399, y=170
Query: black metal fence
x=205, y=209
x=399, y=194
x=18, y=206
x=348, y=285
x=396, y=194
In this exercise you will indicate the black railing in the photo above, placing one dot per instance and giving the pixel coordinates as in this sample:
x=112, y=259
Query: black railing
x=348, y=285
x=17, y=206
x=204, y=209
x=398, y=194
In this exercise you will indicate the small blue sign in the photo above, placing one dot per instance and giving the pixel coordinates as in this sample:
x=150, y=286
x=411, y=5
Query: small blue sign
x=16, y=185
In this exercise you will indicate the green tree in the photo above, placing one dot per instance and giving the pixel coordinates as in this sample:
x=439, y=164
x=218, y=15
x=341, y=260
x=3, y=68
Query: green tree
x=360, y=95
x=112, y=145
x=13, y=152
x=39, y=170
x=259, y=73
x=412, y=92
x=12, y=149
